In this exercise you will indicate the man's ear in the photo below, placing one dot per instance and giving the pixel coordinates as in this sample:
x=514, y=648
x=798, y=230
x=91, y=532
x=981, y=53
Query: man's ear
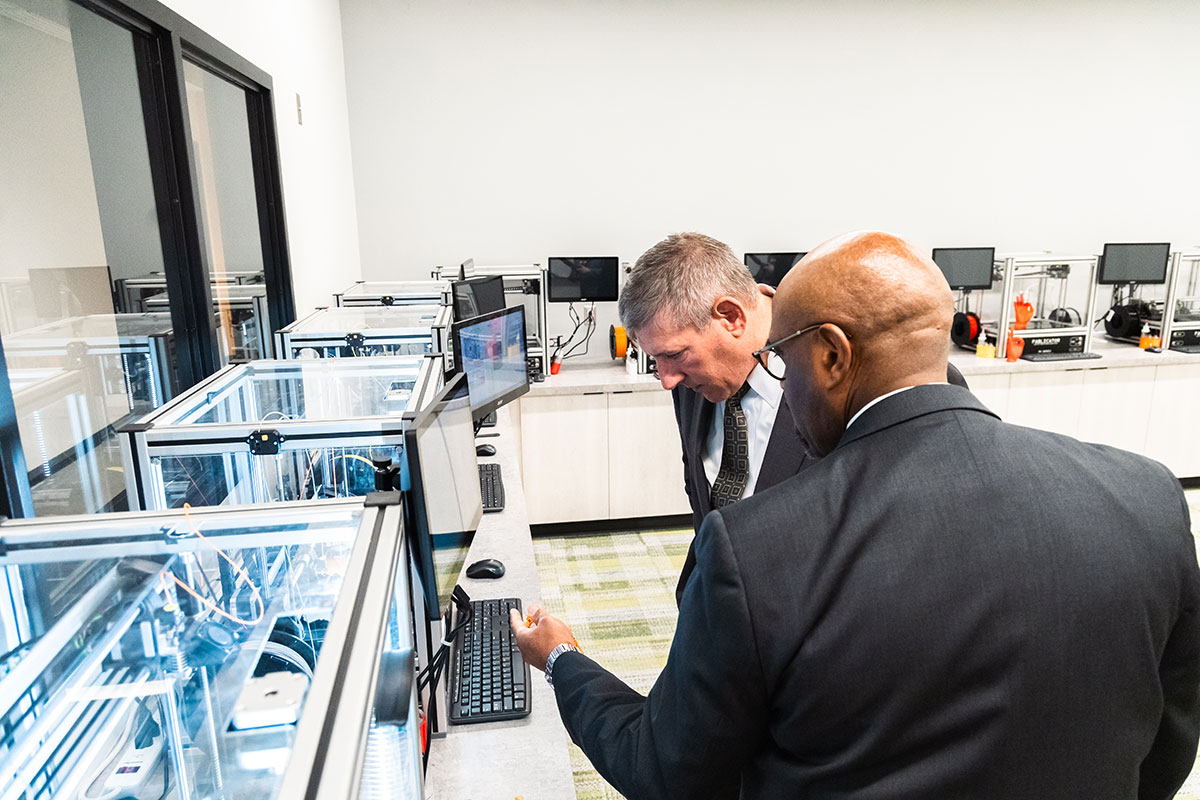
x=730, y=314
x=836, y=354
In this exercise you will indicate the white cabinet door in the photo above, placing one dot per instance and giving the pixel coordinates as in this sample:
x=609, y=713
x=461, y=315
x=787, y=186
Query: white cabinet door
x=1174, y=432
x=564, y=457
x=645, y=464
x=1116, y=407
x=1049, y=401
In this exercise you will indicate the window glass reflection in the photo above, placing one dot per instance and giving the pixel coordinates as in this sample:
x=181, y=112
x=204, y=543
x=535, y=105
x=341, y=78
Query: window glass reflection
x=232, y=239
x=78, y=218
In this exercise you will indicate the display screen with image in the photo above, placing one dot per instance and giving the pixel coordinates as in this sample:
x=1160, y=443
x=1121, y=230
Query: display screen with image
x=769, y=268
x=443, y=503
x=1134, y=263
x=490, y=350
x=582, y=279
x=966, y=267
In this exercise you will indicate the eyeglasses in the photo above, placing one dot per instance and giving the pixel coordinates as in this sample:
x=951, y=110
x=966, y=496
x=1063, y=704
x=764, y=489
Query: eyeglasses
x=773, y=347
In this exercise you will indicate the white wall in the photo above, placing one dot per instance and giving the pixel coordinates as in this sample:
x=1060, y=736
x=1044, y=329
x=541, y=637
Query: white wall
x=299, y=43
x=48, y=215
x=510, y=130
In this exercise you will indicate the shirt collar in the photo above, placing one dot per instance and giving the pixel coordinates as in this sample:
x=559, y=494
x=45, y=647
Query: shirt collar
x=883, y=397
x=766, y=387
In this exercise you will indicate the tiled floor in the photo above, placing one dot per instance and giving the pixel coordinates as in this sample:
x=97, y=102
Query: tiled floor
x=618, y=594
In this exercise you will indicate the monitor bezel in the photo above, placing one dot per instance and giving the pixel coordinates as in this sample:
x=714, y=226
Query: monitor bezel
x=416, y=515
x=968, y=287
x=455, y=327
x=800, y=253
x=1102, y=281
x=607, y=298
x=477, y=280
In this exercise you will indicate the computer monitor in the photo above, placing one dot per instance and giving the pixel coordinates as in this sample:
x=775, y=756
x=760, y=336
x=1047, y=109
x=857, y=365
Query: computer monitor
x=769, y=268
x=466, y=269
x=587, y=279
x=966, y=268
x=442, y=502
x=1134, y=263
x=491, y=351
x=476, y=296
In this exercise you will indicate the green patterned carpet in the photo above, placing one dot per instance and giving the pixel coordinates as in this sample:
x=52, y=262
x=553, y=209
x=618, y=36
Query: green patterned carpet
x=618, y=594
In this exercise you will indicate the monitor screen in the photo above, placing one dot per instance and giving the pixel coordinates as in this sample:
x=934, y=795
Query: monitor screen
x=966, y=267
x=441, y=483
x=466, y=269
x=769, y=268
x=1134, y=263
x=491, y=351
x=476, y=296
x=589, y=279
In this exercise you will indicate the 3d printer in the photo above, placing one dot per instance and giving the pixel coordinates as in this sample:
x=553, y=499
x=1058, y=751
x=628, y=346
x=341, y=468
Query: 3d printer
x=242, y=310
x=525, y=285
x=1135, y=313
x=131, y=293
x=356, y=331
x=1036, y=312
x=394, y=293
x=131, y=355
x=1181, y=328
x=276, y=430
x=221, y=653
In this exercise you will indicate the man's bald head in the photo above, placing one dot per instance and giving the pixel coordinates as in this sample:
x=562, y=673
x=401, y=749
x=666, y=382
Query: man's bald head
x=890, y=309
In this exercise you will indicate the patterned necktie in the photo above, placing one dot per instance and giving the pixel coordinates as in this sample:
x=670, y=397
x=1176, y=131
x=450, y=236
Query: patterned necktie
x=735, y=454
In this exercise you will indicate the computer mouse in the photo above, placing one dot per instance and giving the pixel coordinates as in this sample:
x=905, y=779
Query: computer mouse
x=488, y=568
x=485, y=450
x=1155, y=349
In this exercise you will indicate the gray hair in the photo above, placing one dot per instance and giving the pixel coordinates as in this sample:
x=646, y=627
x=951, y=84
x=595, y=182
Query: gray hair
x=682, y=276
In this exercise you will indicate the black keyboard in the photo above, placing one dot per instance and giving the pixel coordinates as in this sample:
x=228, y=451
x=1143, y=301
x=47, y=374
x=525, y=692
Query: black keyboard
x=1059, y=356
x=488, y=678
x=489, y=421
x=1186, y=348
x=491, y=486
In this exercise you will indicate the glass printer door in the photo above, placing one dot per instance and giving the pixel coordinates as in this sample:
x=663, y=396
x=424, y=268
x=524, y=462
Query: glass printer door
x=167, y=655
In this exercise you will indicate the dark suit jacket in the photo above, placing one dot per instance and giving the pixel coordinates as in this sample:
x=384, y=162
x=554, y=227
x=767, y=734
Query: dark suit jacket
x=945, y=606
x=786, y=454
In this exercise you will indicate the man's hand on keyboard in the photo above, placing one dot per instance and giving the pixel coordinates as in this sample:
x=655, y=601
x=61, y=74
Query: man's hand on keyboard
x=544, y=633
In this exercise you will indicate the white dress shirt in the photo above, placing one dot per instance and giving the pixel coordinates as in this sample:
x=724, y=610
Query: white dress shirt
x=760, y=404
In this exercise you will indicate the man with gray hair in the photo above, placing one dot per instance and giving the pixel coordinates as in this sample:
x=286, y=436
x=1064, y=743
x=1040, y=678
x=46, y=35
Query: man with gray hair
x=692, y=305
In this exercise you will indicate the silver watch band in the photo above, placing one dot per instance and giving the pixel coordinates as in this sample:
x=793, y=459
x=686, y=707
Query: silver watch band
x=565, y=647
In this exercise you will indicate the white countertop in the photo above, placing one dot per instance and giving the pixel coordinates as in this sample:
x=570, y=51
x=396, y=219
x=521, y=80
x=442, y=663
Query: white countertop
x=526, y=757
x=1112, y=354
x=611, y=376
x=608, y=376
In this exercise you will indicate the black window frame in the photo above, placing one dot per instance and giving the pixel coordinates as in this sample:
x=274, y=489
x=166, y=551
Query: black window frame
x=162, y=41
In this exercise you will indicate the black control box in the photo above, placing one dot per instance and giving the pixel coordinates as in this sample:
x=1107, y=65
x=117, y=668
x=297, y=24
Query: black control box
x=1053, y=344
x=1185, y=339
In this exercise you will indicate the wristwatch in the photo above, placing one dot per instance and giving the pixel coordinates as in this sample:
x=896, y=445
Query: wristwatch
x=565, y=647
